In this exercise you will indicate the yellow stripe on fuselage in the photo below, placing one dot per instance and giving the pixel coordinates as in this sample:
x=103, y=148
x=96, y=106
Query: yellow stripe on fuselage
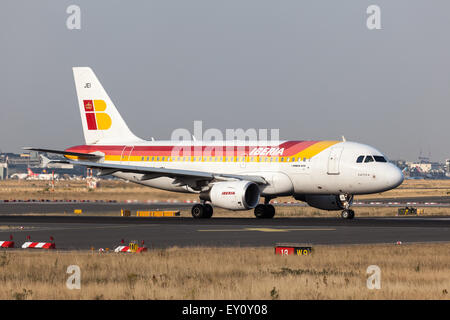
x=315, y=149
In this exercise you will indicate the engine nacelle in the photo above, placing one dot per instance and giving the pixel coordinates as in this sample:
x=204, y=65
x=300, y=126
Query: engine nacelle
x=233, y=195
x=326, y=202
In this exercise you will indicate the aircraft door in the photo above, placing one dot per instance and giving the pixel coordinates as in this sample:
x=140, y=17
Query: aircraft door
x=126, y=153
x=334, y=159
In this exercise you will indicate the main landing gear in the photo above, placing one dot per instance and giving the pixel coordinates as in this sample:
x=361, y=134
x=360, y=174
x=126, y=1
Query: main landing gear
x=265, y=211
x=202, y=211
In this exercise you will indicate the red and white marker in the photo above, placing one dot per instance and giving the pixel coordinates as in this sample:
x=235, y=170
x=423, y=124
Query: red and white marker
x=122, y=249
x=6, y=244
x=38, y=245
x=127, y=249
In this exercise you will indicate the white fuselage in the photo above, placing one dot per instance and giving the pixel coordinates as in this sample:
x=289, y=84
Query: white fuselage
x=332, y=171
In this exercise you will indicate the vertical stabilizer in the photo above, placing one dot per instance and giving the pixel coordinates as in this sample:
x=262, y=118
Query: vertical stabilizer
x=102, y=123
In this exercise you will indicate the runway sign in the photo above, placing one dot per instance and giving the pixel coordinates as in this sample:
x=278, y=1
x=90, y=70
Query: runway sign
x=409, y=211
x=77, y=211
x=293, y=250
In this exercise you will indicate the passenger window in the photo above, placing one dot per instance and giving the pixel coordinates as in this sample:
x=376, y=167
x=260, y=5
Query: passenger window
x=360, y=159
x=379, y=159
x=368, y=159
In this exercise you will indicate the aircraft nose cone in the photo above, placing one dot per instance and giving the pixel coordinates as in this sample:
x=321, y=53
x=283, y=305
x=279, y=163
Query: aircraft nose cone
x=394, y=176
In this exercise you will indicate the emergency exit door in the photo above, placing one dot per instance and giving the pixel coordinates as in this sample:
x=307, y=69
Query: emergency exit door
x=126, y=153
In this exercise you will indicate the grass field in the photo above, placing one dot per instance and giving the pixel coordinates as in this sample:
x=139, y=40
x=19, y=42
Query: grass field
x=407, y=272
x=415, y=271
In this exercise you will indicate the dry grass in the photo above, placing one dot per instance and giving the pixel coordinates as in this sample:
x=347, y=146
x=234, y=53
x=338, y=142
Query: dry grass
x=77, y=190
x=407, y=272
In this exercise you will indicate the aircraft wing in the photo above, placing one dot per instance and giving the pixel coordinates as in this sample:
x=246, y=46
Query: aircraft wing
x=154, y=172
x=68, y=153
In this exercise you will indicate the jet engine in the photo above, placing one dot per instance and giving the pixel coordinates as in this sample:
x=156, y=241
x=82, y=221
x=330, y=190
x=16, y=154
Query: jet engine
x=233, y=195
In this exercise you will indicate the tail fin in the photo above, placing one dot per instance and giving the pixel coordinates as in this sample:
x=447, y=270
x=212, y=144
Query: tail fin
x=30, y=173
x=102, y=123
x=44, y=161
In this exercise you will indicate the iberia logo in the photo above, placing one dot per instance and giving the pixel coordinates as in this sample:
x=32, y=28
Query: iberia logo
x=96, y=117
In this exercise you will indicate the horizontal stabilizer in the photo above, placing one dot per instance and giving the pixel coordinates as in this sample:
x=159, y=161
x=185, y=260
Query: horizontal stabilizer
x=66, y=153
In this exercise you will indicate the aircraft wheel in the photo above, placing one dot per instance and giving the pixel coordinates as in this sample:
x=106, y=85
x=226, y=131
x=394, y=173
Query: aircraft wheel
x=198, y=211
x=260, y=210
x=208, y=210
x=263, y=211
x=352, y=214
x=270, y=211
x=348, y=214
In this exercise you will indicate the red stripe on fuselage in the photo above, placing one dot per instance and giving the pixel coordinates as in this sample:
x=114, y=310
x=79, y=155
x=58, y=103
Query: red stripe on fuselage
x=290, y=148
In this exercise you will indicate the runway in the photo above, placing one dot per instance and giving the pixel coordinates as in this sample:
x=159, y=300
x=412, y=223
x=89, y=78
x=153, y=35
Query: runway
x=85, y=232
x=20, y=207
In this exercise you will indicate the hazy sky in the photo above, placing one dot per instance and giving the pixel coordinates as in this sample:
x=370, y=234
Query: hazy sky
x=310, y=68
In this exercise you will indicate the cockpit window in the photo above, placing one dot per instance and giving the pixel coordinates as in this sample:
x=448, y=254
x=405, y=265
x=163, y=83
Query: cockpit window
x=379, y=159
x=360, y=159
x=368, y=159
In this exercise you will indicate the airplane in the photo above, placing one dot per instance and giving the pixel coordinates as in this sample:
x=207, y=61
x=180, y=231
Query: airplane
x=233, y=175
x=41, y=176
x=19, y=176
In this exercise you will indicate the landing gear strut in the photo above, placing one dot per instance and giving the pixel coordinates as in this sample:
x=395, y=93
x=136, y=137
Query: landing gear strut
x=202, y=211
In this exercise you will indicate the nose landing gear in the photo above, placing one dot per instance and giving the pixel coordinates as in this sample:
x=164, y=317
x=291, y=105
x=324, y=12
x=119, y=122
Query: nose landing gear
x=346, y=201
